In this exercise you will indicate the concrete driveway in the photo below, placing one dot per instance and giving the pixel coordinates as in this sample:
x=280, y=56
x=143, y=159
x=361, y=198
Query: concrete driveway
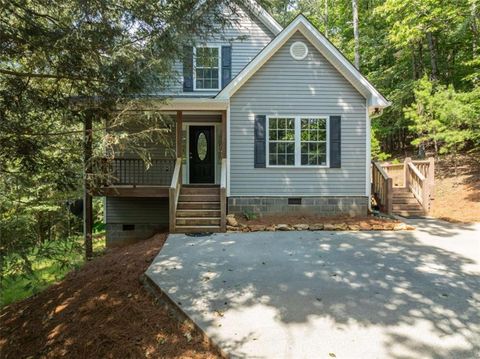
x=412, y=294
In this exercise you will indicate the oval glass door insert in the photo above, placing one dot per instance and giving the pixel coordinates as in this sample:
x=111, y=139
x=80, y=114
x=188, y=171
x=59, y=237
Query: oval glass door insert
x=202, y=146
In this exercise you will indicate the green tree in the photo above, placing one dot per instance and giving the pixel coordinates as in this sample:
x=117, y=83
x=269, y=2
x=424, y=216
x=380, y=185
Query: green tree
x=59, y=60
x=444, y=119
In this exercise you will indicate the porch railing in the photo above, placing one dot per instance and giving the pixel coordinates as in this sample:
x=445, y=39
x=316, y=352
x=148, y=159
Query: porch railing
x=135, y=172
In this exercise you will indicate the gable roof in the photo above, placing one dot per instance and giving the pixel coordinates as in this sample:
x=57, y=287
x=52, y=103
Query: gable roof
x=325, y=47
x=263, y=16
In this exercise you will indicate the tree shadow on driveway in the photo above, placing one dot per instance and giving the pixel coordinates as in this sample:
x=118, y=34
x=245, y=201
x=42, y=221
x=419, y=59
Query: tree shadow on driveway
x=381, y=293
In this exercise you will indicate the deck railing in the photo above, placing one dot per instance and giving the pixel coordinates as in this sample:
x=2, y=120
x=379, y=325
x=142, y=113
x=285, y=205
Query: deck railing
x=416, y=182
x=135, y=172
x=396, y=172
x=382, y=188
x=419, y=178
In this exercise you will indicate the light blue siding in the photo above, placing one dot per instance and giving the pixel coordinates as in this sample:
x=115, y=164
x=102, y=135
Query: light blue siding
x=247, y=36
x=136, y=210
x=284, y=86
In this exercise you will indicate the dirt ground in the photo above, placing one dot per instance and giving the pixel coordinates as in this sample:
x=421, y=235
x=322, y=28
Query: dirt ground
x=100, y=311
x=312, y=219
x=457, y=196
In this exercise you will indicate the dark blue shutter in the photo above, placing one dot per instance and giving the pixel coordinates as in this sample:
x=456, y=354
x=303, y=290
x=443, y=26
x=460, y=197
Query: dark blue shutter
x=226, y=65
x=335, y=141
x=188, y=69
x=260, y=138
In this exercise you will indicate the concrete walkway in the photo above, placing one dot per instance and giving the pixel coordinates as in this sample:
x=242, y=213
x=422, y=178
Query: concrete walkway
x=412, y=294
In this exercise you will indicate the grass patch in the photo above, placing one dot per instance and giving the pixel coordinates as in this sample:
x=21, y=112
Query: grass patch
x=47, y=269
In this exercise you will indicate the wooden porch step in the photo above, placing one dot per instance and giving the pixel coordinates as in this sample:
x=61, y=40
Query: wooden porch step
x=197, y=229
x=192, y=213
x=200, y=190
x=405, y=200
x=198, y=205
x=407, y=207
x=198, y=221
x=402, y=194
x=404, y=213
x=199, y=198
x=404, y=203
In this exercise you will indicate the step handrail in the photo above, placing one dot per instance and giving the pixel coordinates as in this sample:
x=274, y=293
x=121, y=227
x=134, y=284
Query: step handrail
x=174, y=193
x=416, y=170
x=418, y=185
x=382, y=187
x=223, y=195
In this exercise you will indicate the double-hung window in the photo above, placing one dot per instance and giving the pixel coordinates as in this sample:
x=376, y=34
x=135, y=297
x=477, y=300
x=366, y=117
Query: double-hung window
x=207, y=68
x=281, y=134
x=297, y=141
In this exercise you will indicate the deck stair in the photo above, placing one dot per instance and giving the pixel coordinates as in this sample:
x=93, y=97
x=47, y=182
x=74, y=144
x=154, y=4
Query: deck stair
x=198, y=209
x=405, y=204
x=405, y=189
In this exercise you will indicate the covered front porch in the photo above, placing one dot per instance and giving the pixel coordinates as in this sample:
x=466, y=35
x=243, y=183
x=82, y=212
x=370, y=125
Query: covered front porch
x=193, y=171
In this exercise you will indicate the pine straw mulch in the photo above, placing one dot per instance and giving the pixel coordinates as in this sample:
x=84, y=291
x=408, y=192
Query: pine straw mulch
x=457, y=195
x=100, y=311
x=313, y=219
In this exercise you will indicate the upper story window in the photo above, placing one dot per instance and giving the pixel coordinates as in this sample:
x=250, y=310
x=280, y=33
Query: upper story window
x=207, y=68
x=296, y=141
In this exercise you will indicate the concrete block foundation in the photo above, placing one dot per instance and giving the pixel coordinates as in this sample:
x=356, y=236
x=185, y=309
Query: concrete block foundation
x=121, y=234
x=323, y=206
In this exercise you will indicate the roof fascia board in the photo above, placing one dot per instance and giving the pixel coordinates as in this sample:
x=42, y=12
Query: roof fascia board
x=195, y=104
x=263, y=16
x=182, y=104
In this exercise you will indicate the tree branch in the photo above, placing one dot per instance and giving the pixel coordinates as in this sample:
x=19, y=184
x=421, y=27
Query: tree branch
x=46, y=76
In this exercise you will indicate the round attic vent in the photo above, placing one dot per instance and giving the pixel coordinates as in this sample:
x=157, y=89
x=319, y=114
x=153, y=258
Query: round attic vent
x=298, y=50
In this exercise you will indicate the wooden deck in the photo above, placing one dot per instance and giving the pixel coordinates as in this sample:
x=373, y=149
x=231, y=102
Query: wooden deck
x=132, y=191
x=132, y=177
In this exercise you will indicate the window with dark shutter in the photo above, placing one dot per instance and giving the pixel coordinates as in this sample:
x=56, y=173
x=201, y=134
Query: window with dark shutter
x=188, y=69
x=335, y=142
x=226, y=65
x=260, y=141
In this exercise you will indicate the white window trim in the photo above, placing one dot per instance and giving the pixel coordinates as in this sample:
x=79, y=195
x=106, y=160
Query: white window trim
x=298, y=147
x=219, y=47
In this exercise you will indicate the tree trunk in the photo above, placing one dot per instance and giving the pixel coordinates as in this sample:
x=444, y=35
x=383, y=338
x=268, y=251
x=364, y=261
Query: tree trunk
x=415, y=67
x=325, y=18
x=474, y=26
x=87, y=177
x=355, y=34
x=433, y=55
x=420, y=60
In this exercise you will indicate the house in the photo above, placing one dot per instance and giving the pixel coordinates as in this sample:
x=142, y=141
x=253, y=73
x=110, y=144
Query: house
x=275, y=120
